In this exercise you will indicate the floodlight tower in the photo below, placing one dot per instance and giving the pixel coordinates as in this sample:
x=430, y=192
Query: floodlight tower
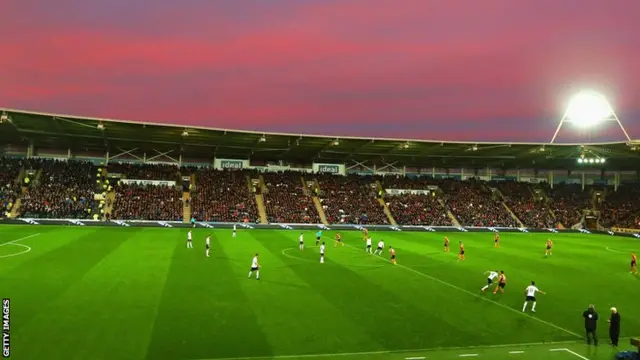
x=588, y=109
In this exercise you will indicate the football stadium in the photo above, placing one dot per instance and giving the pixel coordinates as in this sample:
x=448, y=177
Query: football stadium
x=125, y=240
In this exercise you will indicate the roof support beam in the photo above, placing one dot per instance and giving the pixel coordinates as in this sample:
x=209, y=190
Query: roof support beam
x=357, y=163
x=161, y=154
x=126, y=152
x=389, y=165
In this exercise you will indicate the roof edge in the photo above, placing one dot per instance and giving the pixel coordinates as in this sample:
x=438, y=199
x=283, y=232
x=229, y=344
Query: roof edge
x=267, y=133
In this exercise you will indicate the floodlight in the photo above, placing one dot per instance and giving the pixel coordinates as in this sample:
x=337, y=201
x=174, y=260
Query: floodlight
x=602, y=160
x=580, y=160
x=586, y=110
x=591, y=161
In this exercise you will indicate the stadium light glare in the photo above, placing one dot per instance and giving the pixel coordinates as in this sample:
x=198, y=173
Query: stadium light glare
x=586, y=110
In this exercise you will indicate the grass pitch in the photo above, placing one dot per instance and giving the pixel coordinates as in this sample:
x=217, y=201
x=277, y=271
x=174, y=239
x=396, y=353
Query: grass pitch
x=139, y=293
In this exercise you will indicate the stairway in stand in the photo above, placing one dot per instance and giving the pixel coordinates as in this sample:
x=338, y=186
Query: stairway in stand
x=513, y=215
x=323, y=216
x=452, y=217
x=109, y=202
x=317, y=202
x=387, y=212
x=262, y=210
x=186, y=207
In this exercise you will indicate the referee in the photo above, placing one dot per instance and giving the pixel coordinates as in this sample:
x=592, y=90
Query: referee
x=590, y=324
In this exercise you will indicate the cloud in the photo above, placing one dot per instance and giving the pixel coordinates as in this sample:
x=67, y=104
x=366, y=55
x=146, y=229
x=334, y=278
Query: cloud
x=404, y=68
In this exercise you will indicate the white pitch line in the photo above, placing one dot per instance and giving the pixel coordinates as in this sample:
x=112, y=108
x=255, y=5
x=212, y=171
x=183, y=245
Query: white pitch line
x=477, y=296
x=18, y=253
x=415, y=358
x=556, y=350
x=285, y=253
x=516, y=352
x=615, y=251
x=382, y=352
x=15, y=241
x=467, y=355
x=576, y=354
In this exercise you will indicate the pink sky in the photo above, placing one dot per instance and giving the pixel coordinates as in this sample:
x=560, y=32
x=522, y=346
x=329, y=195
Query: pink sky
x=494, y=70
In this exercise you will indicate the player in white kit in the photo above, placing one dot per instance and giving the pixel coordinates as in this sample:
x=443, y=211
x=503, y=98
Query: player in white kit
x=189, y=238
x=207, y=244
x=368, y=248
x=255, y=267
x=530, y=292
x=492, y=276
x=301, y=240
x=322, y=247
x=380, y=248
x=234, y=230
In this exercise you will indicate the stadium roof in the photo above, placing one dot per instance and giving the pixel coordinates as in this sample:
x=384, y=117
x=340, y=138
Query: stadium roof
x=81, y=133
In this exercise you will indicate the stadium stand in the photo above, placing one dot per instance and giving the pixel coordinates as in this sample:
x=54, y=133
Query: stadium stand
x=65, y=190
x=567, y=202
x=286, y=201
x=9, y=191
x=350, y=199
x=519, y=197
x=145, y=171
x=147, y=202
x=223, y=195
x=409, y=209
x=621, y=208
x=473, y=205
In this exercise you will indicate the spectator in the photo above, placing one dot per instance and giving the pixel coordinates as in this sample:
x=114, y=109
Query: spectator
x=147, y=202
x=286, y=200
x=223, y=196
x=350, y=199
x=66, y=190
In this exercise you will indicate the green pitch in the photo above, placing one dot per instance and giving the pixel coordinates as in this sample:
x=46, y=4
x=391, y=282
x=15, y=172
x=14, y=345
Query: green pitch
x=139, y=293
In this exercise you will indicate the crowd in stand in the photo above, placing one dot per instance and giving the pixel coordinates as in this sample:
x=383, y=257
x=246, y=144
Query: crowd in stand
x=147, y=202
x=224, y=196
x=286, y=200
x=621, y=208
x=411, y=209
x=64, y=189
x=350, y=199
x=567, y=202
x=532, y=212
x=9, y=187
x=473, y=204
x=145, y=171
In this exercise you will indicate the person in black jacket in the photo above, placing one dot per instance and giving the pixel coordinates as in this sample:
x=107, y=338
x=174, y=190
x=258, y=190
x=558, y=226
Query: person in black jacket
x=590, y=324
x=614, y=326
